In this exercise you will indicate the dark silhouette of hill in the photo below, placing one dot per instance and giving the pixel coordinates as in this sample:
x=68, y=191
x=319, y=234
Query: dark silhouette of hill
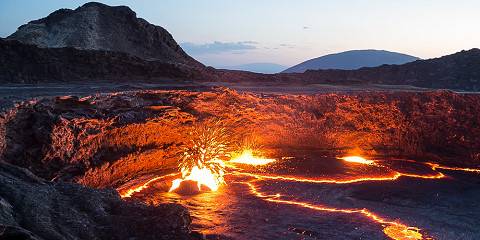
x=351, y=60
x=456, y=71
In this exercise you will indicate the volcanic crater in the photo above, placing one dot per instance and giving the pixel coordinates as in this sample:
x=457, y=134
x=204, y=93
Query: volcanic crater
x=419, y=150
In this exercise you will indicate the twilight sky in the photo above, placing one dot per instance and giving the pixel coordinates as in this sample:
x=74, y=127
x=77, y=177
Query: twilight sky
x=233, y=32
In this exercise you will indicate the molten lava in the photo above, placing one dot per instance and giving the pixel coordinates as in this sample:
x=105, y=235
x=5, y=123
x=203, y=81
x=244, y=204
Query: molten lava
x=357, y=159
x=209, y=174
x=203, y=177
x=248, y=158
x=402, y=233
x=393, y=229
x=129, y=192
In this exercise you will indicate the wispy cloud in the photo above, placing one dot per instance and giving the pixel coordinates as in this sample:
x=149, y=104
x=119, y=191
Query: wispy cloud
x=286, y=45
x=218, y=47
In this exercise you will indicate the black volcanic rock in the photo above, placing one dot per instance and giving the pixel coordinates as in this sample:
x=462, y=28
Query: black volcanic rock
x=34, y=209
x=22, y=63
x=351, y=60
x=96, y=26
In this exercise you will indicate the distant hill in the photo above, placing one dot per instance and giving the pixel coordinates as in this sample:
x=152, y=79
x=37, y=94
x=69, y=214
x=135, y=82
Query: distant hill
x=351, y=60
x=456, y=71
x=96, y=26
x=268, y=68
x=22, y=63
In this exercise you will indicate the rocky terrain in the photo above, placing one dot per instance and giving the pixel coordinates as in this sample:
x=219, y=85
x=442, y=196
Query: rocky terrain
x=96, y=26
x=60, y=156
x=22, y=63
x=106, y=140
x=34, y=209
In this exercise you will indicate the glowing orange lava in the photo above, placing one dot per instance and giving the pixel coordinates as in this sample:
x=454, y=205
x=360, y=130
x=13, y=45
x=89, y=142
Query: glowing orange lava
x=394, y=230
x=401, y=233
x=436, y=166
x=357, y=159
x=395, y=176
x=203, y=177
x=128, y=193
x=247, y=157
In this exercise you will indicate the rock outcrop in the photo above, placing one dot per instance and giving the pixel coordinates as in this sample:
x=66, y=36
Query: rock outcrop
x=34, y=209
x=23, y=63
x=96, y=26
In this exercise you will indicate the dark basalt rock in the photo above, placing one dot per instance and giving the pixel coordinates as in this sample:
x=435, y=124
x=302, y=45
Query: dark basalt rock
x=22, y=63
x=96, y=26
x=34, y=209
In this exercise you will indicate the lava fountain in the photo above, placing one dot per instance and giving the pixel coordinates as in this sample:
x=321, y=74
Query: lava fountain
x=202, y=176
x=202, y=160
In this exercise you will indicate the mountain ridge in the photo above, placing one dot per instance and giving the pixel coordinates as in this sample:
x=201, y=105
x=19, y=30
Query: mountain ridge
x=351, y=60
x=96, y=26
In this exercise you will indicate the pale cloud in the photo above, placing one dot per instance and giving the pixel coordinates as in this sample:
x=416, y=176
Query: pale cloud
x=217, y=47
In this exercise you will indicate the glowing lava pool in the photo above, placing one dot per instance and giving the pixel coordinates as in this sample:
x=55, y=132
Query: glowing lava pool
x=312, y=196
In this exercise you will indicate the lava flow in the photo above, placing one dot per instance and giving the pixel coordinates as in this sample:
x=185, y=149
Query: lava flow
x=204, y=176
x=436, y=166
x=129, y=192
x=394, y=230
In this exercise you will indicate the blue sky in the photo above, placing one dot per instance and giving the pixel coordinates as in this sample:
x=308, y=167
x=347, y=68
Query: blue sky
x=233, y=32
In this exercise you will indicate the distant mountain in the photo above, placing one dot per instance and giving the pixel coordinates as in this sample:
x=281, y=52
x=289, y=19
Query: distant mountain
x=268, y=68
x=351, y=60
x=96, y=26
x=456, y=71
